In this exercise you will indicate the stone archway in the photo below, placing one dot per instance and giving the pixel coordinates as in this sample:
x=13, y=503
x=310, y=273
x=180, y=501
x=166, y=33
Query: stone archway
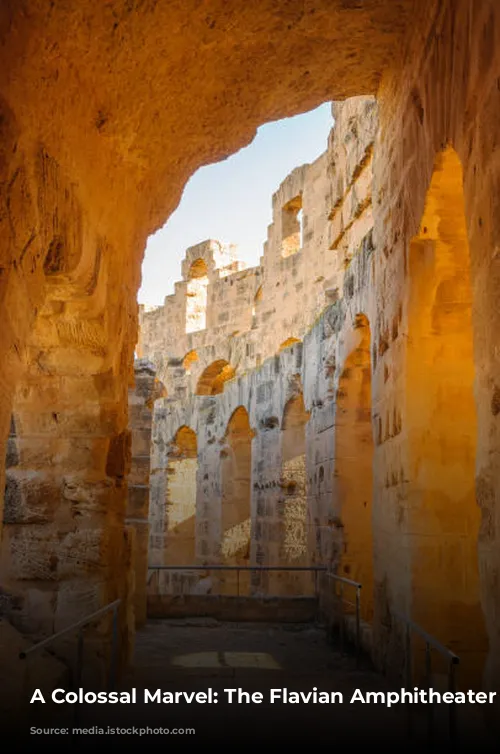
x=213, y=377
x=288, y=343
x=236, y=477
x=441, y=436
x=293, y=512
x=180, y=502
x=146, y=154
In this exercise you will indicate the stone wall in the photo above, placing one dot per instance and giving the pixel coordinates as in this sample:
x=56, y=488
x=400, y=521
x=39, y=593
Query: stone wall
x=252, y=313
x=93, y=160
x=142, y=395
x=276, y=361
x=435, y=171
x=410, y=342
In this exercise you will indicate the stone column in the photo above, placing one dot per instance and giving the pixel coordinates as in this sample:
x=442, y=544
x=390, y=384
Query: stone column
x=266, y=464
x=141, y=399
x=65, y=551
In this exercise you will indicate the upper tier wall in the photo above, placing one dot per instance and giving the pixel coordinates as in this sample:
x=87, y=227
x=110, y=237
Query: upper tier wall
x=251, y=313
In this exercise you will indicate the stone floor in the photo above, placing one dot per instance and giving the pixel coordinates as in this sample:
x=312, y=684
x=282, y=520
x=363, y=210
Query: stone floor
x=195, y=655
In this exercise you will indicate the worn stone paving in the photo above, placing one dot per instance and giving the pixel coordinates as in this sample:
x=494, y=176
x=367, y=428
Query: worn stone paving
x=201, y=654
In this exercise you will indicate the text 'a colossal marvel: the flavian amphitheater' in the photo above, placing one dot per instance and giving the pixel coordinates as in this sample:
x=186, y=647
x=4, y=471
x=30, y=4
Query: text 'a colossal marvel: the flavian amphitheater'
x=272, y=696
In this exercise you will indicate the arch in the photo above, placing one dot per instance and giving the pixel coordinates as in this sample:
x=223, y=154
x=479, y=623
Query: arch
x=287, y=343
x=293, y=546
x=441, y=432
x=180, y=503
x=291, y=226
x=196, y=296
x=198, y=269
x=236, y=473
x=353, y=466
x=189, y=359
x=295, y=416
x=213, y=377
x=256, y=300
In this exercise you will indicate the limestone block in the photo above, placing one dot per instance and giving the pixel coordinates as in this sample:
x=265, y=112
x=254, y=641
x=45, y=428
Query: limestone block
x=139, y=470
x=30, y=497
x=141, y=441
x=88, y=495
x=138, y=500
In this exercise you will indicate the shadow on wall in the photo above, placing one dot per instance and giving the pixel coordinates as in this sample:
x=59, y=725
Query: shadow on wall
x=212, y=379
x=353, y=472
x=293, y=545
x=236, y=473
x=180, y=503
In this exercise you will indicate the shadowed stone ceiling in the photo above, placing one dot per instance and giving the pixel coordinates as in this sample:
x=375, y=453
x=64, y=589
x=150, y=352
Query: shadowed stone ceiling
x=131, y=96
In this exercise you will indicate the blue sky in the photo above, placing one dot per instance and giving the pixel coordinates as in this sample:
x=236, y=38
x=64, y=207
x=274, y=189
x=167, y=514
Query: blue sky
x=230, y=201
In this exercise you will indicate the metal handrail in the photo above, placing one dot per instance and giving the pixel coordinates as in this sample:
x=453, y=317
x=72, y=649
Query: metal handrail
x=452, y=659
x=79, y=626
x=238, y=568
x=233, y=568
x=343, y=581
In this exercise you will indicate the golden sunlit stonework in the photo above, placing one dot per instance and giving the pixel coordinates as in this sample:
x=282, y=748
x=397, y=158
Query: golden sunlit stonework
x=339, y=403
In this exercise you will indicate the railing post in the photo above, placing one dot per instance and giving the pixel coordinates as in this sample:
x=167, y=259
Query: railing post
x=358, y=627
x=77, y=669
x=237, y=582
x=428, y=674
x=430, y=643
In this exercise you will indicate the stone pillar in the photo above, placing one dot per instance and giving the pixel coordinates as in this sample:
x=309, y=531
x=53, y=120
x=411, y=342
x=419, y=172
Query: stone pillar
x=141, y=399
x=63, y=364
x=266, y=465
x=209, y=490
x=65, y=551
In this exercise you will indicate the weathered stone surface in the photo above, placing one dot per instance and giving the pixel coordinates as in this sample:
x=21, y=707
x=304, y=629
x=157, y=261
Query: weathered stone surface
x=19, y=678
x=145, y=391
x=264, y=362
x=72, y=83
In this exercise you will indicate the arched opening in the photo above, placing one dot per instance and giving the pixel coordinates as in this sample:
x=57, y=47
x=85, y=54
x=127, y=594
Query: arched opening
x=236, y=473
x=442, y=425
x=291, y=227
x=256, y=300
x=353, y=471
x=287, y=343
x=196, y=296
x=189, y=359
x=180, y=503
x=212, y=379
x=293, y=518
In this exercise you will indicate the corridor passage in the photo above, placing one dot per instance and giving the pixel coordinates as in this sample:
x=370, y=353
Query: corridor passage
x=280, y=662
x=201, y=654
